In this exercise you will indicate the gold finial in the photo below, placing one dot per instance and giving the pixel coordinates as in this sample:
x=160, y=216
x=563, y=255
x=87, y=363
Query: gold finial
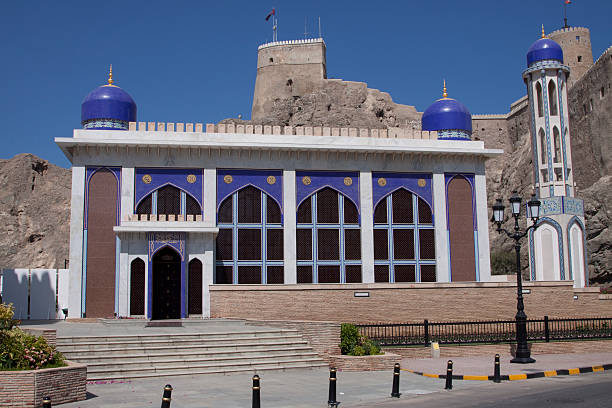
x=110, y=75
x=543, y=33
x=444, y=94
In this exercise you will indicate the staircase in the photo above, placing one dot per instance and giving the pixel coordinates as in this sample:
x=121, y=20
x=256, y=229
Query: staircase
x=168, y=354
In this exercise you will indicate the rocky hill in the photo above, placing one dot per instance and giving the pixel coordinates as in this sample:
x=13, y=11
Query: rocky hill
x=34, y=213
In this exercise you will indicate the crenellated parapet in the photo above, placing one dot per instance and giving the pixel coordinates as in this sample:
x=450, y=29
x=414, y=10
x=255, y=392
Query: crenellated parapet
x=291, y=42
x=249, y=129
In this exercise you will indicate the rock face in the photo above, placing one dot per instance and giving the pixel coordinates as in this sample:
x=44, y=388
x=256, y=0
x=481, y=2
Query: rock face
x=34, y=213
x=598, y=213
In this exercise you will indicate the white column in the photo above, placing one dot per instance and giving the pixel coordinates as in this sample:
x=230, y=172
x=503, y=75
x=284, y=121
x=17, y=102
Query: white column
x=482, y=223
x=208, y=268
x=127, y=191
x=77, y=213
x=367, y=226
x=124, y=276
x=439, y=204
x=289, y=227
x=210, y=196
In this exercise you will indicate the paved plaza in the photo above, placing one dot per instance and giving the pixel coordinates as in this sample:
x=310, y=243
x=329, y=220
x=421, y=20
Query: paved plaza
x=292, y=388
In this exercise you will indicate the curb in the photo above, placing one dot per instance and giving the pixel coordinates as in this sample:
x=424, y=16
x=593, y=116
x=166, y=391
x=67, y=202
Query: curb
x=515, y=377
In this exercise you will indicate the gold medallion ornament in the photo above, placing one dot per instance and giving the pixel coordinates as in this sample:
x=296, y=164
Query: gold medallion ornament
x=422, y=183
x=306, y=180
x=382, y=182
x=191, y=178
x=271, y=179
x=146, y=179
x=348, y=181
x=228, y=179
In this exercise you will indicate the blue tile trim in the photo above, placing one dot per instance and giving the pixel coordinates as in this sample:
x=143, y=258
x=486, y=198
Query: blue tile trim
x=160, y=177
x=564, y=135
x=257, y=178
x=408, y=181
x=547, y=119
x=534, y=141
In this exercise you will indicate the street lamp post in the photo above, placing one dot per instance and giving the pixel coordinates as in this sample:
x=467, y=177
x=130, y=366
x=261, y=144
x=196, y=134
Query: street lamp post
x=523, y=355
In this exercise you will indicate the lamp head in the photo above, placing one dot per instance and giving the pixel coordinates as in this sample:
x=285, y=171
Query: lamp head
x=515, y=204
x=498, y=212
x=533, y=205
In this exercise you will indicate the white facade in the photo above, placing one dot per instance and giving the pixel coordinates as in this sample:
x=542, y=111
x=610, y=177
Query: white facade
x=288, y=153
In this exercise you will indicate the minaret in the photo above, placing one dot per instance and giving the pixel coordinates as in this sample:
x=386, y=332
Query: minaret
x=557, y=250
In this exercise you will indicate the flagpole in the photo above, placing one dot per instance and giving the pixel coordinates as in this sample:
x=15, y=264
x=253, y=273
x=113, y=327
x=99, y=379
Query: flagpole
x=565, y=14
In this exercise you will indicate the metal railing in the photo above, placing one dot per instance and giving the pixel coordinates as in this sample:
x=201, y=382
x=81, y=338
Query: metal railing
x=490, y=331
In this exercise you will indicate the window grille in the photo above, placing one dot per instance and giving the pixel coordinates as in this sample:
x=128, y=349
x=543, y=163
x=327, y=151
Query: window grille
x=191, y=206
x=304, y=274
x=195, y=287
x=275, y=275
x=169, y=200
x=405, y=273
x=381, y=273
x=404, y=244
x=137, y=287
x=353, y=273
x=328, y=239
x=250, y=240
x=145, y=205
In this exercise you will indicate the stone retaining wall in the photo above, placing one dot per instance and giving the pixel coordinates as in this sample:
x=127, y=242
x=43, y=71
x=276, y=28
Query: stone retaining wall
x=404, y=302
x=49, y=334
x=27, y=388
x=323, y=337
x=365, y=363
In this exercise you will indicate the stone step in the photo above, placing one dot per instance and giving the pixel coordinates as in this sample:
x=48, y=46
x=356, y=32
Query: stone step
x=218, y=370
x=194, y=348
x=180, y=354
x=203, y=368
x=196, y=362
x=174, y=336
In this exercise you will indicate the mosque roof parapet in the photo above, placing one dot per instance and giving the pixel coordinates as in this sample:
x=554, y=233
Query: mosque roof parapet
x=249, y=129
x=292, y=42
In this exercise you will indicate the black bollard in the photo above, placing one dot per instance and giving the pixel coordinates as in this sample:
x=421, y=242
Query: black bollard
x=396, y=374
x=331, y=401
x=46, y=402
x=496, y=374
x=166, y=398
x=449, y=375
x=256, y=392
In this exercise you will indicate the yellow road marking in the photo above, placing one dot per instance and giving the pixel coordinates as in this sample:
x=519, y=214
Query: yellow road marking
x=597, y=368
x=476, y=377
x=574, y=371
x=515, y=377
x=431, y=375
x=550, y=373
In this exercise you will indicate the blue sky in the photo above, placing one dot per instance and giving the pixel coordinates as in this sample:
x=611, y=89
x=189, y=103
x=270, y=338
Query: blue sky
x=195, y=61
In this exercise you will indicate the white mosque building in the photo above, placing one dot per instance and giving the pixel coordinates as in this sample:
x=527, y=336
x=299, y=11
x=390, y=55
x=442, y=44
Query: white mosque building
x=162, y=211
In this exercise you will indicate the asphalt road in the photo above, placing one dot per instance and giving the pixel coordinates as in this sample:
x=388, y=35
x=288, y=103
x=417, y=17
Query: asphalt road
x=585, y=390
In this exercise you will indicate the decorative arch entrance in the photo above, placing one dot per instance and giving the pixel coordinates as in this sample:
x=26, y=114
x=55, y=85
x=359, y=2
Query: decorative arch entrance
x=166, y=284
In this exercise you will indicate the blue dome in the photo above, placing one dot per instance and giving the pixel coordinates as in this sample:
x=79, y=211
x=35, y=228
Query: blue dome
x=544, y=49
x=107, y=107
x=447, y=114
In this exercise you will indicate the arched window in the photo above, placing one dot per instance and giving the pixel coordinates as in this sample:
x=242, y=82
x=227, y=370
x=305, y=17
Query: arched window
x=328, y=239
x=195, y=287
x=556, y=146
x=169, y=200
x=552, y=98
x=250, y=239
x=540, y=101
x=543, y=150
x=404, y=243
x=137, y=287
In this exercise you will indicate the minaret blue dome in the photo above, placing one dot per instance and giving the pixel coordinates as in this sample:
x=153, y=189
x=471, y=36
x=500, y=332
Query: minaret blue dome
x=449, y=117
x=108, y=107
x=544, y=49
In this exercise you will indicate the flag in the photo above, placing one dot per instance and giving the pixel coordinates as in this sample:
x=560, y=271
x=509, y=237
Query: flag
x=272, y=13
x=568, y=1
